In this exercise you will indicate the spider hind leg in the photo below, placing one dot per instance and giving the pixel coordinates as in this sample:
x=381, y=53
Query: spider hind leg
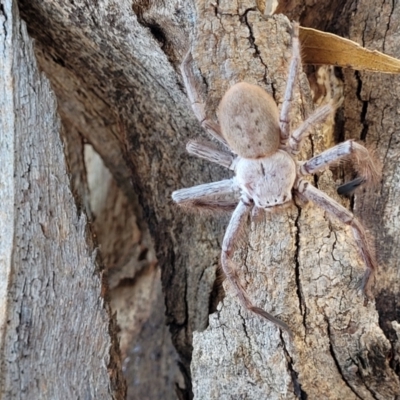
x=363, y=162
x=362, y=240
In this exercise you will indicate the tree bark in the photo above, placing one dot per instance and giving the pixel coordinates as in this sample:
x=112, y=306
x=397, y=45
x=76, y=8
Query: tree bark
x=300, y=265
x=114, y=69
x=58, y=337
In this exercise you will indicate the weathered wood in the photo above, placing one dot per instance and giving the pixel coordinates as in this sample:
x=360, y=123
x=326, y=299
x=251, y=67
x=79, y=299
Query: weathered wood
x=373, y=101
x=299, y=265
x=149, y=358
x=128, y=98
x=58, y=338
x=371, y=114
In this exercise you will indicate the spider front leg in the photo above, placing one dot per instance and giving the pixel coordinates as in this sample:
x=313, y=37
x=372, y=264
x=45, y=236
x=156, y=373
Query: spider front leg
x=232, y=235
x=349, y=150
x=208, y=197
x=310, y=192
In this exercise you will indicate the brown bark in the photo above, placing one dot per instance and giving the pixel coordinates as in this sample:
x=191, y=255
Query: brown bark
x=114, y=67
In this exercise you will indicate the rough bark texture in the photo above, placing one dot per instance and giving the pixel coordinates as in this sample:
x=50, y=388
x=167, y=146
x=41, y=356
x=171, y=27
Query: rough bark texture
x=370, y=114
x=299, y=265
x=113, y=66
x=58, y=338
x=150, y=360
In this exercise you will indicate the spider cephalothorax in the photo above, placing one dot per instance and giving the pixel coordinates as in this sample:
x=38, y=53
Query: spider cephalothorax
x=267, y=175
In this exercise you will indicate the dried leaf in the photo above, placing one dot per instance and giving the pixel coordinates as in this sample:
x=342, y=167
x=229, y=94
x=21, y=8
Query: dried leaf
x=319, y=47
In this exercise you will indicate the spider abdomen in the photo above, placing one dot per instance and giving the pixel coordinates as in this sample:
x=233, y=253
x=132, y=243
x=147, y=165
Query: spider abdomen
x=268, y=181
x=249, y=121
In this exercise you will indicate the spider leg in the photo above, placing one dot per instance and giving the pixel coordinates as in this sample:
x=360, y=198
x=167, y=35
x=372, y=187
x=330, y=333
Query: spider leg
x=318, y=116
x=210, y=153
x=349, y=150
x=293, y=73
x=209, y=196
x=196, y=102
x=233, y=233
x=332, y=207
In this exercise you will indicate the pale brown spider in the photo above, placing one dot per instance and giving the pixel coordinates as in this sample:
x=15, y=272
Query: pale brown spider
x=267, y=175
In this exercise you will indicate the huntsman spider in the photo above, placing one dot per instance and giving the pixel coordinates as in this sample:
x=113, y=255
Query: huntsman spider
x=262, y=150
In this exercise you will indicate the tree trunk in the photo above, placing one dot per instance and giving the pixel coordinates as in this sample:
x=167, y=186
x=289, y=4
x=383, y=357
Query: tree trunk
x=114, y=69
x=58, y=337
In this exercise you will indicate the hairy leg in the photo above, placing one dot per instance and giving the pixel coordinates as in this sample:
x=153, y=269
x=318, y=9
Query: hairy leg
x=208, y=152
x=318, y=116
x=295, y=63
x=232, y=235
x=365, y=248
x=215, y=196
x=196, y=102
x=349, y=150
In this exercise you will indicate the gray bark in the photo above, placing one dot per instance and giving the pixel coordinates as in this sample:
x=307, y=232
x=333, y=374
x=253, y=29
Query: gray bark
x=300, y=265
x=57, y=335
x=114, y=70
